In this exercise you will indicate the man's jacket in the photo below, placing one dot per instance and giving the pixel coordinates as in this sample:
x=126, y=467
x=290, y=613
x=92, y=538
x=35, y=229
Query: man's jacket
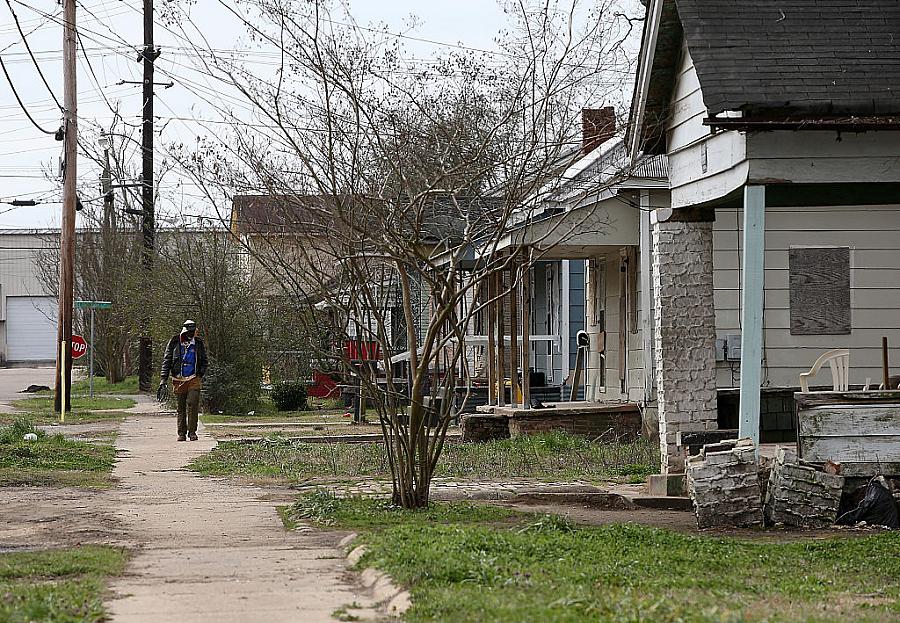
x=172, y=359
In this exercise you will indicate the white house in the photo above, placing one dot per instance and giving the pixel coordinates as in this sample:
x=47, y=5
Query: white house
x=780, y=125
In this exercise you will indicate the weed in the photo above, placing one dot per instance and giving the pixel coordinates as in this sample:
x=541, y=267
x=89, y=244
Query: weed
x=343, y=613
x=318, y=507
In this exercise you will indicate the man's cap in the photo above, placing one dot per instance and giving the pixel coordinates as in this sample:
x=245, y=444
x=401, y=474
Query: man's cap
x=190, y=324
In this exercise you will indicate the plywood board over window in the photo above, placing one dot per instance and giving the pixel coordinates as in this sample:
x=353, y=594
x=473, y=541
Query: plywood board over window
x=820, y=290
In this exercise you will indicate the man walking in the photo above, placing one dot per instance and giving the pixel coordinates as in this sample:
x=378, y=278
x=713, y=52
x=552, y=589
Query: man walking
x=185, y=359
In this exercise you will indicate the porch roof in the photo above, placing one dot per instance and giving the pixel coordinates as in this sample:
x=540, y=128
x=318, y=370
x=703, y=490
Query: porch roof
x=582, y=232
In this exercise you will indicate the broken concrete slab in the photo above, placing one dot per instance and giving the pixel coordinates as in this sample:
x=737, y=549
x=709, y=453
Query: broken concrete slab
x=799, y=495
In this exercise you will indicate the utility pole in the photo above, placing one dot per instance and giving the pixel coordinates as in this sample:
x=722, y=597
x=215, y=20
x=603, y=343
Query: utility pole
x=62, y=395
x=148, y=226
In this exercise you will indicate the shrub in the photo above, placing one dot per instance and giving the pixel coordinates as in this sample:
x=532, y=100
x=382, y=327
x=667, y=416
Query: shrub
x=289, y=396
x=230, y=387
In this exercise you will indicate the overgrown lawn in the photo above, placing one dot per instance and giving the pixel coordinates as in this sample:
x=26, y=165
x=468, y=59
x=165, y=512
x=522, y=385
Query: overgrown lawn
x=548, y=457
x=464, y=566
x=57, y=585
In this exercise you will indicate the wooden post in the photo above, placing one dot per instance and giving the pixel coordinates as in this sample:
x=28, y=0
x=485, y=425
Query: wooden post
x=526, y=333
x=646, y=298
x=148, y=219
x=514, y=336
x=70, y=199
x=501, y=346
x=885, y=364
x=490, y=310
x=752, y=309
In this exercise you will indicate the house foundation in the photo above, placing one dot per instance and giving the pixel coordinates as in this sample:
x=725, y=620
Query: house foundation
x=685, y=334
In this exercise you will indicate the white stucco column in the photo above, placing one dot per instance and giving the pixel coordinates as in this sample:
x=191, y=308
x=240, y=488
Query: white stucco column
x=685, y=327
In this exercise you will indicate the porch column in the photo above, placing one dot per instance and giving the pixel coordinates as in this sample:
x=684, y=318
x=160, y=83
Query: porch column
x=752, y=309
x=501, y=340
x=646, y=299
x=490, y=311
x=526, y=330
x=514, y=279
x=685, y=331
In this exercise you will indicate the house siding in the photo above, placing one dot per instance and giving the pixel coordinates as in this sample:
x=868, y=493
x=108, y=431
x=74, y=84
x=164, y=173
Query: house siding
x=702, y=166
x=873, y=235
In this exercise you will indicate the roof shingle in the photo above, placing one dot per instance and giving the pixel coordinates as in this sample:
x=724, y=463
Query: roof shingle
x=797, y=56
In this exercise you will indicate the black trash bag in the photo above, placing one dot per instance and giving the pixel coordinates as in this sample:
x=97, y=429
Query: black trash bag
x=877, y=507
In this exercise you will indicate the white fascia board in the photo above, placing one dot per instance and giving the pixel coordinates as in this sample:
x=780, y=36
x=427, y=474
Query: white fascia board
x=645, y=63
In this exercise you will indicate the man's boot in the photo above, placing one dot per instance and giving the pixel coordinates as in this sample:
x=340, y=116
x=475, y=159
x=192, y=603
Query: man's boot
x=182, y=438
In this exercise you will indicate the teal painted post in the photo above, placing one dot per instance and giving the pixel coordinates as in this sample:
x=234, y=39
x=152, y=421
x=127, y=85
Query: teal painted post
x=752, y=309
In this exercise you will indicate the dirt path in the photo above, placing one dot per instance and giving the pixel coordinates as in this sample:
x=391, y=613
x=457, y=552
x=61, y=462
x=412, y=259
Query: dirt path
x=207, y=550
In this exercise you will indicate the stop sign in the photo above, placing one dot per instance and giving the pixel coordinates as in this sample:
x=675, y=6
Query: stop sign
x=79, y=347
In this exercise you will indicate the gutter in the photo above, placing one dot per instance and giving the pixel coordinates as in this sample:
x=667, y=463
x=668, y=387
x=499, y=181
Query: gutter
x=843, y=124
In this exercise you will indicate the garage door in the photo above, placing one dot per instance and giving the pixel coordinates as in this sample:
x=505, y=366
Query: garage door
x=31, y=328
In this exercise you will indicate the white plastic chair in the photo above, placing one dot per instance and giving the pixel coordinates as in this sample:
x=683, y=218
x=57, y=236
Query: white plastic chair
x=839, y=361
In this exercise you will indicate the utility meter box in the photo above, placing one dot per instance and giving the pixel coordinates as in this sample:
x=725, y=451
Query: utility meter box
x=733, y=347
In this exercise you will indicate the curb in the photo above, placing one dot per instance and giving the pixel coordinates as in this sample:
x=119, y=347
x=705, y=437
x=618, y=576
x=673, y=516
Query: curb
x=390, y=600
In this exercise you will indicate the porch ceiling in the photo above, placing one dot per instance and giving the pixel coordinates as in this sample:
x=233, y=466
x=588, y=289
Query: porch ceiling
x=582, y=232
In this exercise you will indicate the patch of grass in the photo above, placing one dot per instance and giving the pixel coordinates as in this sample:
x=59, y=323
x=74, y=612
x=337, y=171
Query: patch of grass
x=57, y=585
x=51, y=459
x=128, y=386
x=80, y=404
x=319, y=409
x=42, y=418
x=547, y=570
x=551, y=456
x=324, y=508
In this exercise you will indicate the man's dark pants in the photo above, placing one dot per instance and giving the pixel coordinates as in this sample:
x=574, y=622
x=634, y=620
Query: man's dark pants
x=188, y=405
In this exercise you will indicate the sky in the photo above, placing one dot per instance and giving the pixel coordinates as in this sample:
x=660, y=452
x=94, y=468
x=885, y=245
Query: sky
x=109, y=30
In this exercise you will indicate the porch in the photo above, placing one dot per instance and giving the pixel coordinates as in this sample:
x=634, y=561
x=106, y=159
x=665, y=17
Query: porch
x=528, y=325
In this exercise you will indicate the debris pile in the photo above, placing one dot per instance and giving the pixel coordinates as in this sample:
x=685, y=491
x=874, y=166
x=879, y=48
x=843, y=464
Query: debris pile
x=723, y=484
x=878, y=507
x=799, y=495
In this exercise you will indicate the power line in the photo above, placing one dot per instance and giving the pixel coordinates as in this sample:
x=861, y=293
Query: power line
x=19, y=99
x=33, y=59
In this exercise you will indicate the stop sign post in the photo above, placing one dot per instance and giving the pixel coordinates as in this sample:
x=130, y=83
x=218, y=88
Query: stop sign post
x=91, y=305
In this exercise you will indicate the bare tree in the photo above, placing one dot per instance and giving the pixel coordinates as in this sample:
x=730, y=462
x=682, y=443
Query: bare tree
x=399, y=188
x=107, y=250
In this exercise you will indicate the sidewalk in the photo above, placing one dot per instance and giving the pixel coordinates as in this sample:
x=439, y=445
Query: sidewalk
x=210, y=551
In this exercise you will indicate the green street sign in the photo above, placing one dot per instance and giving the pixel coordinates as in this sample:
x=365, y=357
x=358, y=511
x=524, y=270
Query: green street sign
x=93, y=304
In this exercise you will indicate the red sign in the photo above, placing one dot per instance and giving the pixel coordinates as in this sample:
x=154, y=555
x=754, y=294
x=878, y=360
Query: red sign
x=79, y=347
x=358, y=350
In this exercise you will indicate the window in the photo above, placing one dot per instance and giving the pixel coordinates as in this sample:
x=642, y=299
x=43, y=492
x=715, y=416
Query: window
x=820, y=290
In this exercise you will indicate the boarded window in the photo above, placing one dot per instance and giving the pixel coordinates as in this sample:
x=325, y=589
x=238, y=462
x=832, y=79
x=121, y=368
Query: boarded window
x=820, y=291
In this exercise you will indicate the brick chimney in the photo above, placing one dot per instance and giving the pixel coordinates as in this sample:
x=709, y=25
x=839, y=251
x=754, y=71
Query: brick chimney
x=598, y=125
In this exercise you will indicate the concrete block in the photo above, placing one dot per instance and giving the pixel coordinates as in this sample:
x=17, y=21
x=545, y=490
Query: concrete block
x=661, y=485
